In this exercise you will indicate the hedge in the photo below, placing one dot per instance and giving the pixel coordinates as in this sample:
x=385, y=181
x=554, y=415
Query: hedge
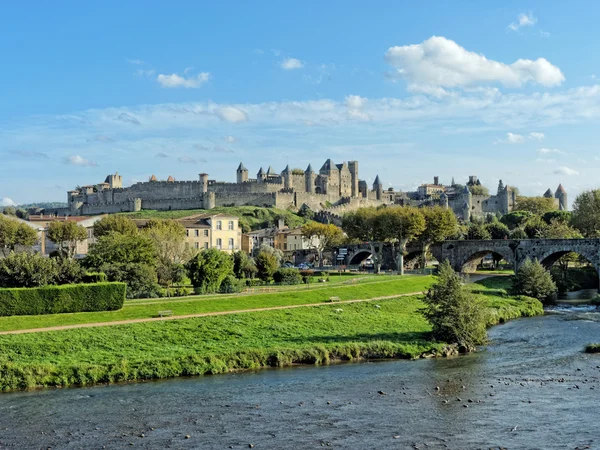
x=67, y=298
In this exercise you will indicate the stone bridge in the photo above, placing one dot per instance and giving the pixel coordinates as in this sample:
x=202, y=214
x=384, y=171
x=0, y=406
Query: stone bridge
x=464, y=256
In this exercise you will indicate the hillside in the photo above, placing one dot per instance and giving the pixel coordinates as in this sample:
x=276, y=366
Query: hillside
x=251, y=217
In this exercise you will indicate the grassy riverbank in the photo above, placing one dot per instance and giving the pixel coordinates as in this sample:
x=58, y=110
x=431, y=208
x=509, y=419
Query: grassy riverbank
x=592, y=348
x=218, y=344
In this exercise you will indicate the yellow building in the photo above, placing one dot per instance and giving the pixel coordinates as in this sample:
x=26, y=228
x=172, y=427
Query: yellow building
x=291, y=239
x=220, y=231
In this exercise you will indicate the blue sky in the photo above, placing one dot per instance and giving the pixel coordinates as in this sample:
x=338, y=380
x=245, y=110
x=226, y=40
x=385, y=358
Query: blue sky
x=410, y=90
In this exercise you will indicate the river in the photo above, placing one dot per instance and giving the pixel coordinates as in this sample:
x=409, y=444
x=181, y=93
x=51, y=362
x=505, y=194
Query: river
x=531, y=388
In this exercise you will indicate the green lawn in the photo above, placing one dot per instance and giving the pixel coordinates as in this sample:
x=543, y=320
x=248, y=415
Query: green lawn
x=217, y=344
x=377, y=287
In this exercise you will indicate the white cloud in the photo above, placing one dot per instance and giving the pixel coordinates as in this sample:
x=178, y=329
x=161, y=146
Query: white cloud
x=7, y=201
x=186, y=160
x=77, y=160
x=231, y=114
x=563, y=170
x=439, y=62
x=524, y=20
x=547, y=151
x=536, y=136
x=291, y=64
x=355, y=101
x=515, y=138
x=176, y=81
x=229, y=139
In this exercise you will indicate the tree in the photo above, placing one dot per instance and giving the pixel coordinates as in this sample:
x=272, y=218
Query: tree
x=455, y=314
x=515, y=219
x=66, y=235
x=561, y=216
x=208, y=269
x=586, y=213
x=558, y=229
x=241, y=261
x=440, y=224
x=266, y=265
x=535, y=227
x=497, y=230
x=362, y=226
x=533, y=280
x=403, y=224
x=536, y=205
x=478, y=231
x=14, y=233
x=322, y=236
x=114, y=223
x=478, y=189
x=27, y=270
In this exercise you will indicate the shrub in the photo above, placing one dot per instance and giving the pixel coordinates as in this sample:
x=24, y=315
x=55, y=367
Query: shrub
x=174, y=292
x=287, y=276
x=94, y=277
x=231, y=285
x=592, y=348
x=533, y=280
x=62, y=299
x=266, y=264
x=140, y=279
x=307, y=276
x=208, y=269
x=455, y=314
x=69, y=271
x=27, y=270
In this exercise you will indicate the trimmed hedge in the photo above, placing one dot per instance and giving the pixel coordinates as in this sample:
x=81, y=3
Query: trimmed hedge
x=66, y=298
x=287, y=276
x=94, y=277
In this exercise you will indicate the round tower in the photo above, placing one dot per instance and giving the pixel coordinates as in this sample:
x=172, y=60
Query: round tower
x=242, y=173
x=444, y=200
x=468, y=198
x=561, y=195
x=378, y=188
x=287, y=177
x=204, y=181
x=309, y=179
x=261, y=176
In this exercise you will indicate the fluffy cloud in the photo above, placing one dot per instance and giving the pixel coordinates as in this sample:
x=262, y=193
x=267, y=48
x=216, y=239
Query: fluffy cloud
x=537, y=136
x=231, y=114
x=524, y=20
x=7, y=201
x=176, y=81
x=291, y=64
x=515, y=138
x=439, y=62
x=76, y=160
x=355, y=101
x=565, y=171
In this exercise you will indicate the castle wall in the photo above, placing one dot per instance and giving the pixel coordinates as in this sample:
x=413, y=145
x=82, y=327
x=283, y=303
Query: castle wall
x=246, y=198
x=298, y=182
x=247, y=188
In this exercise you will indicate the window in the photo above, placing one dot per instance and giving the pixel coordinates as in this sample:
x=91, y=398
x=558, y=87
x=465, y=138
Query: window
x=196, y=232
x=197, y=244
x=205, y=233
x=285, y=245
x=219, y=243
x=231, y=224
x=187, y=232
x=219, y=225
x=206, y=245
x=230, y=243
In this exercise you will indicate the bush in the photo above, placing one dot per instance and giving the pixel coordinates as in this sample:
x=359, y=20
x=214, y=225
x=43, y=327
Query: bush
x=455, y=314
x=175, y=292
x=62, y=299
x=287, y=276
x=140, y=279
x=69, y=271
x=533, y=280
x=208, y=269
x=266, y=264
x=94, y=277
x=231, y=285
x=27, y=270
x=307, y=276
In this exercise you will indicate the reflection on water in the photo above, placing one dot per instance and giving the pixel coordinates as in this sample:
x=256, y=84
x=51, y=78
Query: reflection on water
x=532, y=387
x=583, y=294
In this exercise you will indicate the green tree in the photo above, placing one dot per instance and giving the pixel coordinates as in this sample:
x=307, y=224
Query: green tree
x=266, y=265
x=497, y=230
x=401, y=224
x=558, y=229
x=518, y=233
x=515, y=219
x=536, y=205
x=455, y=314
x=241, y=261
x=14, y=233
x=362, y=225
x=440, y=224
x=321, y=237
x=586, y=213
x=478, y=231
x=27, y=270
x=114, y=223
x=561, y=216
x=66, y=235
x=535, y=227
x=68, y=271
x=208, y=269
x=479, y=190
x=533, y=280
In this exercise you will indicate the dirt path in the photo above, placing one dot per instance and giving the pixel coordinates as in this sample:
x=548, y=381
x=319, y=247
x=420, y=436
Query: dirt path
x=189, y=316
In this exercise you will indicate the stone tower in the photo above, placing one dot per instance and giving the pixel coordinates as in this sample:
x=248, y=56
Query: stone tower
x=353, y=168
x=468, y=204
x=242, y=173
x=309, y=180
x=378, y=187
x=261, y=176
x=500, y=187
x=114, y=181
x=204, y=181
x=444, y=200
x=287, y=177
x=561, y=195
x=548, y=193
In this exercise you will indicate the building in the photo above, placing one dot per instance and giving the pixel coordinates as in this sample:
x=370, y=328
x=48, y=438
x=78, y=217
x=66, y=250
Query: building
x=220, y=231
x=291, y=239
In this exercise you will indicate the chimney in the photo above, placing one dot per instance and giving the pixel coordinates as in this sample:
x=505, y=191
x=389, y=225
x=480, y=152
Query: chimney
x=281, y=223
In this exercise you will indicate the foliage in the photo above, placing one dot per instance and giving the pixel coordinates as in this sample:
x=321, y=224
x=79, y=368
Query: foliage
x=515, y=219
x=559, y=229
x=287, y=276
x=533, y=280
x=170, y=273
x=68, y=271
x=307, y=275
x=208, y=269
x=27, y=270
x=66, y=235
x=440, y=224
x=477, y=231
x=402, y=225
x=241, y=264
x=141, y=279
x=62, y=299
x=573, y=278
x=497, y=230
x=266, y=265
x=535, y=227
x=14, y=233
x=94, y=277
x=278, y=254
x=561, y=216
x=586, y=213
x=322, y=236
x=115, y=223
x=518, y=233
x=592, y=348
x=455, y=314
x=479, y=190
x=536, y=205
x=231, y=285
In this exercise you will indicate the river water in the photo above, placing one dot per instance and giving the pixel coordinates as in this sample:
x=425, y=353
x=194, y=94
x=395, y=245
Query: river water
x=531, y=388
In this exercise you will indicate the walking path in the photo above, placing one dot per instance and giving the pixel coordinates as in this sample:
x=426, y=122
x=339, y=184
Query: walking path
x=189, y=316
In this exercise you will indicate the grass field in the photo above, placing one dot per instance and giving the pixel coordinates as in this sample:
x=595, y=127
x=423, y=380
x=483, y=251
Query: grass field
x=219, y=344
x=372, y=287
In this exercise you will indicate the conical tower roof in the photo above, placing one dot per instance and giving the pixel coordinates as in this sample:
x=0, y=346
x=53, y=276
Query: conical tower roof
x=548, y=194
x=287, y=169
x=466, y=190
x=309, y=169
x=270, y=171
x=326, y=166
x=153, y=178
x=170, y=179
x=560, y=189
x=241, y=167
x=260, y=172
x=377, y=181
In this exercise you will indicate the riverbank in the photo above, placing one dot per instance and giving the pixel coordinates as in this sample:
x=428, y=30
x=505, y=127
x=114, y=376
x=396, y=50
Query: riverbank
x=592, y=348
x=390, y=328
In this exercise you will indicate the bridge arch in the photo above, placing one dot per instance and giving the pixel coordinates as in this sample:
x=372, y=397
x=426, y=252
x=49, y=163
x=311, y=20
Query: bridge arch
x=550, y=258
x=359, y=257
x=472, y=259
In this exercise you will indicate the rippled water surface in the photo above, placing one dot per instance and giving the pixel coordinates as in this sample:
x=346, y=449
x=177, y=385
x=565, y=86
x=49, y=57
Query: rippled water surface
x=531, y=388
